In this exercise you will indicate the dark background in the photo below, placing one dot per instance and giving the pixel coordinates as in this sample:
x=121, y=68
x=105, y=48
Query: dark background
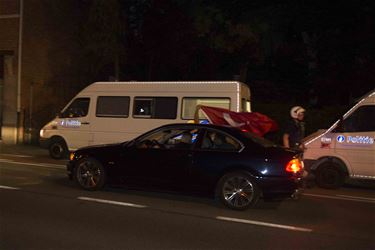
x=318, y=54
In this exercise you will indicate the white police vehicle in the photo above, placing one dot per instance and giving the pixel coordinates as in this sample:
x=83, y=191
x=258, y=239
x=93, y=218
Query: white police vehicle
x=347, y=149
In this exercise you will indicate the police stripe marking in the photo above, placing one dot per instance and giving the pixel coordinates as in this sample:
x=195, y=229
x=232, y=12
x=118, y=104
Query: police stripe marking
x=265, y=224
x=111, y=202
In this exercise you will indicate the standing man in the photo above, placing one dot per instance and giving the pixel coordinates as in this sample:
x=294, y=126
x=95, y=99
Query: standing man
x=295, y=130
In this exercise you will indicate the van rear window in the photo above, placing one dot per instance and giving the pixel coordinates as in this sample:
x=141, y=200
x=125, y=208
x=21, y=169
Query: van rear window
x=155, y=107
x=189, y=104
x=112, y=106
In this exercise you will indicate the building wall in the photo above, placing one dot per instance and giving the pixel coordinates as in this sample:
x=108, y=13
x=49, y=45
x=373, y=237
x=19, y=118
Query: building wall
x=48, y=60
x=9, y=28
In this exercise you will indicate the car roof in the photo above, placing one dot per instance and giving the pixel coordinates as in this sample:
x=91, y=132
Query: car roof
x=196, y=125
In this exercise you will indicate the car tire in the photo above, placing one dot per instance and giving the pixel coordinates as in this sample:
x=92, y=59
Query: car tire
x=238, y=190
x=329, y=176
x=58, y=149
x=90, y=174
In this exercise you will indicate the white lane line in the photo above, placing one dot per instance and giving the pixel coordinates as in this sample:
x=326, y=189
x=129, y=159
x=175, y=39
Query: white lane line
x=48, y=165
x=356, y=197
x=21, y=156
x=10, y=188
x=265, y=224
x=346, y=198
x=111, y=202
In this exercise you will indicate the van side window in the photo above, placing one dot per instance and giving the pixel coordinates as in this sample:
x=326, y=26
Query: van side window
x=78, y=108
x=112, y=106
x=362, y=120
x=155, y=107
x=189, y=105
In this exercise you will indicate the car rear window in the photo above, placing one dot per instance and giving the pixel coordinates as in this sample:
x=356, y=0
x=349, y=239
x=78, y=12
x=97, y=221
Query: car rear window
x=257, y=139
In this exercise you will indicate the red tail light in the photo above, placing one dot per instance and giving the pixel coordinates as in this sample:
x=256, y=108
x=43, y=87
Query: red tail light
x=294, y=166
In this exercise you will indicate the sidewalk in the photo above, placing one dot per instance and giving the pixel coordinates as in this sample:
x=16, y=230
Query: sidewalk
x=22, y=149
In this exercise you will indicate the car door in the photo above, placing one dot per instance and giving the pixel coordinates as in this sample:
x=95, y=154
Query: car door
x=354, y=141
x=216, y=151
x=159, y=159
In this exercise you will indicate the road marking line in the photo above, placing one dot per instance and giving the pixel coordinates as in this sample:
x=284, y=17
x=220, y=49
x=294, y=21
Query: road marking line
x=339, y=198
x=21, y=156
x=111, y=202
x=10, y=188
x=266, y=224
x=49, y=165
x=356, y=197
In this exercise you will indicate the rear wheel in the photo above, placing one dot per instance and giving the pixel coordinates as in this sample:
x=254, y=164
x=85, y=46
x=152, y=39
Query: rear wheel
x=329, y=175
x=90, y=174
x=58, y=149
x=238, y=191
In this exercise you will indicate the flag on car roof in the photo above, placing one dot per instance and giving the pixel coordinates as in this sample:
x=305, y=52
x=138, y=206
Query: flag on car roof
x=250, y=121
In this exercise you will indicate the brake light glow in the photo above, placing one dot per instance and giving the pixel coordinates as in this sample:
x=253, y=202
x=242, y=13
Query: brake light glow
x=294, y=166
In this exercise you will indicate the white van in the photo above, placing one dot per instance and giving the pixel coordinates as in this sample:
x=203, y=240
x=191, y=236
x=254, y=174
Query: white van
x=347, y=149
x=109, y=112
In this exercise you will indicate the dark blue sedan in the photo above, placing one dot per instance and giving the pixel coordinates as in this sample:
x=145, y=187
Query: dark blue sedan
x=235, y=166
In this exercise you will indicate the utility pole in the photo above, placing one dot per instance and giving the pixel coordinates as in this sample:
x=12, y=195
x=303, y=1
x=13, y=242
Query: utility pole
x=19, y=71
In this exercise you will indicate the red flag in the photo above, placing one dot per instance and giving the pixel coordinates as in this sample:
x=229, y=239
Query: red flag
x=251, y=121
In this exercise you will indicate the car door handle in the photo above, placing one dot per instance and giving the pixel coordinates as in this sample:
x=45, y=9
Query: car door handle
x=85, y=123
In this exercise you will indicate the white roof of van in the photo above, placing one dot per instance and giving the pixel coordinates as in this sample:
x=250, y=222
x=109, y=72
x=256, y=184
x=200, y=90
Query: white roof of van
x=191, y=86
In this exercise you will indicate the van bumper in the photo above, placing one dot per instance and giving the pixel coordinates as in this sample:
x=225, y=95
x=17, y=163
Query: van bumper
x=309, y=164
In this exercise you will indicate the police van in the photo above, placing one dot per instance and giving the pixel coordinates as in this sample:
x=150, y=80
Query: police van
x=347, y=149
x=109, y=112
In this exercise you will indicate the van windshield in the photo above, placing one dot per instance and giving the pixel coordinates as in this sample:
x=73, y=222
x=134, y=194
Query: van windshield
x=78, y=108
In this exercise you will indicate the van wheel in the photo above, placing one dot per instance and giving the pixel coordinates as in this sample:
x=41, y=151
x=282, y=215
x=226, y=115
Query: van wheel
x=238, y=190
x=329, y=176
x=58, y=149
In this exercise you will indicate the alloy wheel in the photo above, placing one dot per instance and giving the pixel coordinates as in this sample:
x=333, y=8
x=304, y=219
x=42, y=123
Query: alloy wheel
x=238, y=191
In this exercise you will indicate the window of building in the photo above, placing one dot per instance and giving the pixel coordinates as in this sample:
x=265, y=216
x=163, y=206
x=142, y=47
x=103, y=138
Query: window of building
x=78, y=108
x=155, y=107
x=189, y=105
x=112, y=106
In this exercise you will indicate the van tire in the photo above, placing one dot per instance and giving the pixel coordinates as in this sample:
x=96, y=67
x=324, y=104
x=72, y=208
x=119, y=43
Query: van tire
x=329, y=175
x=58, y=149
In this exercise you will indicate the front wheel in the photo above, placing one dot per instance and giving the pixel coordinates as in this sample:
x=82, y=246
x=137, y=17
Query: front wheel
x=58, y=149
x=90, y=174
x=238, y=191
x=329, y=176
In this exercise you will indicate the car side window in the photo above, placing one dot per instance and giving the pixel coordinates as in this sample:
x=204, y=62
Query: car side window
x=362, y=120
x=215, y=140
x=169, y=139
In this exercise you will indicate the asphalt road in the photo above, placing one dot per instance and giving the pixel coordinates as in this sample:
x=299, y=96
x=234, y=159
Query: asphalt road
x=41, y=209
